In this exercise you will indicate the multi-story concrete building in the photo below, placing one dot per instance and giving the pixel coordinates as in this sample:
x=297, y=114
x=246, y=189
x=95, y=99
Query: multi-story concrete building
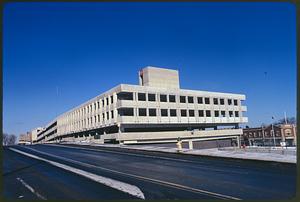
x=156, y=110
x=34, y=134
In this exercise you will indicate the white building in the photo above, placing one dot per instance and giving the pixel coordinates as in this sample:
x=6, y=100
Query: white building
x=34, y=134
x=156, y=110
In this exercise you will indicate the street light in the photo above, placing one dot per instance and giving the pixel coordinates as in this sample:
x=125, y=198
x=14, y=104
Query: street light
x=273, y=133
x=263, y=134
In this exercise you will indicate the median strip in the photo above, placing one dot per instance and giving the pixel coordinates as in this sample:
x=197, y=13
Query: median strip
x=121, y=186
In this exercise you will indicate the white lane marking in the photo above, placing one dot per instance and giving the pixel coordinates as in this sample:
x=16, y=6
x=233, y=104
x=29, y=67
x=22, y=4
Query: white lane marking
x=154, y=157
x=30, y=189
x=161, y=182
x=121, y=186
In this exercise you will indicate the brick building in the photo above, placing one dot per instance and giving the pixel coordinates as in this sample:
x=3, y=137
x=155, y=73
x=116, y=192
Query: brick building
x=263, y=136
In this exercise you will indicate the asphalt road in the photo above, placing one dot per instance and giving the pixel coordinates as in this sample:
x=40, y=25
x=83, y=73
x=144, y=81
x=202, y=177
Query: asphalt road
x=83, y=172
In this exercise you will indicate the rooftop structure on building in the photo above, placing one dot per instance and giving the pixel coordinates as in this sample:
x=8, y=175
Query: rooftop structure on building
x=156, y=110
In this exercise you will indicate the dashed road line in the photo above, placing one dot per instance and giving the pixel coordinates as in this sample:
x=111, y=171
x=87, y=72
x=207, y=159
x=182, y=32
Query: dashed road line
x=30, y=189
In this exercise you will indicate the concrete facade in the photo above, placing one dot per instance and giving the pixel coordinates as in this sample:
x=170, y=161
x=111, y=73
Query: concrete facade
x=34, y=134
x=142, y=112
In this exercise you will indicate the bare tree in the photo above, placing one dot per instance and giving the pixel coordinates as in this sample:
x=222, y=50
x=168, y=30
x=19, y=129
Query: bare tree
x=289, y=120
x=5, y=138
x=12, y=139
x=9, y=139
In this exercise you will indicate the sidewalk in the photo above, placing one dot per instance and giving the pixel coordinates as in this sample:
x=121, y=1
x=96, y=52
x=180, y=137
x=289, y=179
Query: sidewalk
x=214, y=152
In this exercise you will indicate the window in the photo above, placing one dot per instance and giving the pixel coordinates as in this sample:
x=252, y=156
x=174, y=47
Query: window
x=216, y=101
x=223, y=113
x=229, y=101
x=142, y=112
x=103, y=102
x=207, y=112
x=111, y=99
x=172, y=98
x=112, y=114
x=235, y=102
x=200, y=100
x=201, y=113
x=107, y=115
x=107, y=102
x=190, y=99
x=151, y=97
x=103, y=116
x=222, y=101
x=172, y=112
x=164, y=112
x=191, y=113
x=207, y=100
x=125, y=96
x=183, y=113
x=125, y=111
x=236, y=114
x=163, y=98
x=98, y=118
x=98, y=104
x=141, y=96
x=230, y=113
x=182, y=99
x=217, y=113
x=152, y=112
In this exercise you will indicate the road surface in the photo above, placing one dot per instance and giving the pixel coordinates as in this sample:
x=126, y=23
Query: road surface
x=83, y=172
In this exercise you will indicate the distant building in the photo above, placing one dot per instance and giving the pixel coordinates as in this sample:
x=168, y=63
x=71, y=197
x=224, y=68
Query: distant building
x=156, y=110
x=263, y=136
x=34, y=133
x=25, y=138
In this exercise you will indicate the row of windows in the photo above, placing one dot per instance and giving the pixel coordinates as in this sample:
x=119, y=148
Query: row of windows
x=91, y=120
x=172, y=98
x=173, y=112
x=153, y=112
x=259, y=134
x=93, y=106
x=152, y=98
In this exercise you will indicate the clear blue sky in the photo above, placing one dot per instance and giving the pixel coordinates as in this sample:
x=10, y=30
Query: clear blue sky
x=224, y=47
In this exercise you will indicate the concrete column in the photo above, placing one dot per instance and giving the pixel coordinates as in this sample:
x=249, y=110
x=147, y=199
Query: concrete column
x=238, y=141
x=191, y=144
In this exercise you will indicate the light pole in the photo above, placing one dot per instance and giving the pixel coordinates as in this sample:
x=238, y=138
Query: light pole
x=273, y=133
x=263, y=134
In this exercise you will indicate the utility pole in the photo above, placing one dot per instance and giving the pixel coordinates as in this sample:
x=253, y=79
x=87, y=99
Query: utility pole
x=273, y=132
x=263, y=134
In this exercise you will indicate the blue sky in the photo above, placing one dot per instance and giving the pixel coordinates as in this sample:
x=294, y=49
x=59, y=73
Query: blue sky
x=247, y=48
